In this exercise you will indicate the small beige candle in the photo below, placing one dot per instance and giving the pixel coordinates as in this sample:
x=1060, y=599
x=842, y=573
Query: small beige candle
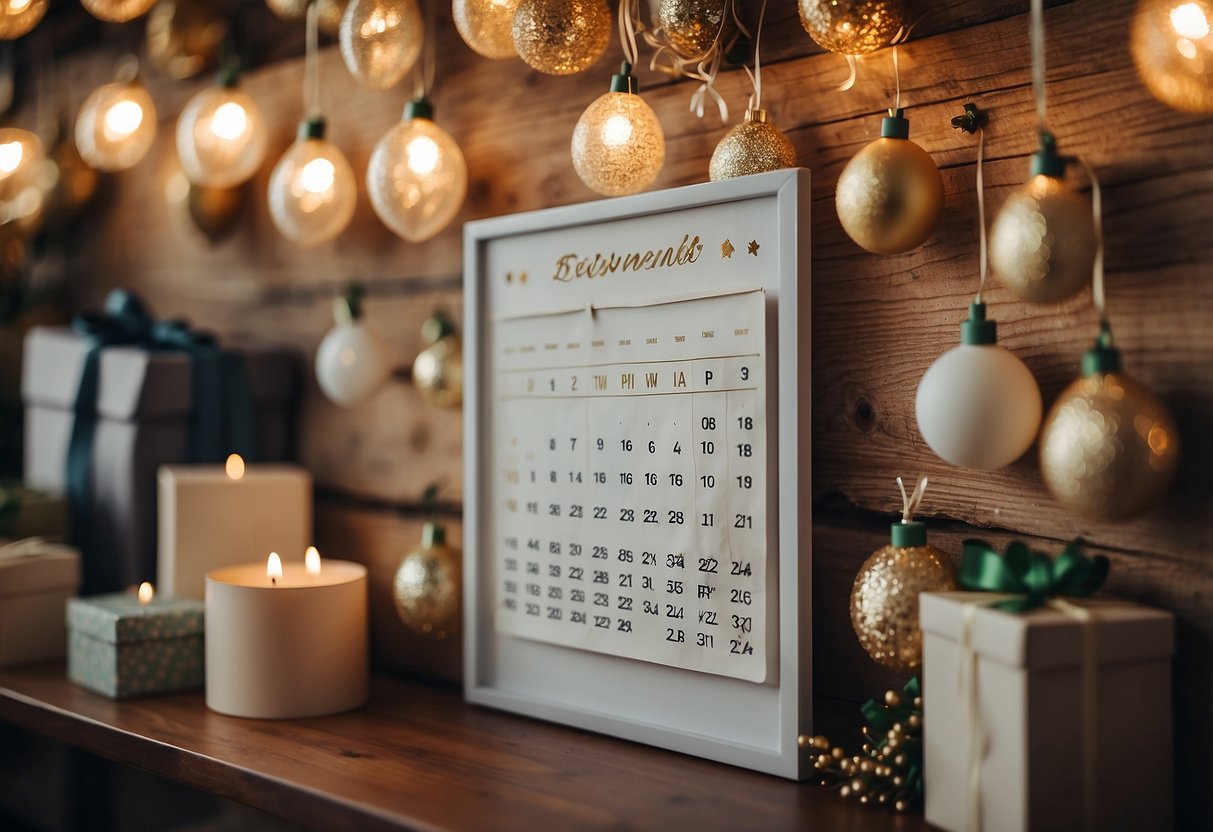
x=286, y=640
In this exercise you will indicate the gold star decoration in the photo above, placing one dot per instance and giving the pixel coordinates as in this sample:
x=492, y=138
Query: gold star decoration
x=509, y=277
x=522, y=277
x=753, y=247
x=726, y=250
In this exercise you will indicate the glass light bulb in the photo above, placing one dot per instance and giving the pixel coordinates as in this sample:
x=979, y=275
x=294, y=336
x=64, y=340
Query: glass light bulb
x=18, y=17
x=417, y=179
x=312, y=192
x=381, y=40
x=561, y=37
x=618, y=145
x=221, y=138
x=22, y=164
x=116, y=126
x=1172, y=45
x=117, y=11
x=487, y=26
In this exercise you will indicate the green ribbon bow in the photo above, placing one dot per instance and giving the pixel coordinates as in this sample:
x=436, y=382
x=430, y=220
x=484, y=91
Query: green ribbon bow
x=1033, y=576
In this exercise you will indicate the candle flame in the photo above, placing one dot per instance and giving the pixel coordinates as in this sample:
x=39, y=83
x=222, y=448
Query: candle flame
x=273, y=567
x=311, y=560
x=234, y=467
x=146, y=593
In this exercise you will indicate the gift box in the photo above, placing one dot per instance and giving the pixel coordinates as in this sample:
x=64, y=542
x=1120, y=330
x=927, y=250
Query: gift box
x=36, y=580
x=27, y=512
x=147, y=412
x=1051, y=749
x=119, y=646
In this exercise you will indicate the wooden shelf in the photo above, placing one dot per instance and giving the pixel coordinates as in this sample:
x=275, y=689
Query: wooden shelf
x=418, y=757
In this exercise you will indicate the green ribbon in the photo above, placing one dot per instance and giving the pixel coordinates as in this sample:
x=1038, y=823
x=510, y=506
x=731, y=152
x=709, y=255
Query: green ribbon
x=222, y=419
x=1032, y=576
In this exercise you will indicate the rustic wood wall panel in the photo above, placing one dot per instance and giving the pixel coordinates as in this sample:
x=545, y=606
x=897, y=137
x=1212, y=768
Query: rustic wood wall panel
x=878, y=322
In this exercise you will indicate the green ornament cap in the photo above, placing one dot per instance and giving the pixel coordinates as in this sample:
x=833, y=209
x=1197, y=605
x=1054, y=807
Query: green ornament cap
x=976, y=329
x=908, y=535
x=432, y=534
x=625, y=81
x=438, y=326
x=895, y=125
x=419, y=108
x=1103, y=357
x=312, y=129
x=229, y=76
x=348, y=307
x=1046, y=161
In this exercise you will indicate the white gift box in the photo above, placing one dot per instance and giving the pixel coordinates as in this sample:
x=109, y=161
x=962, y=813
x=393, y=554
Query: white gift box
x=1031, y=709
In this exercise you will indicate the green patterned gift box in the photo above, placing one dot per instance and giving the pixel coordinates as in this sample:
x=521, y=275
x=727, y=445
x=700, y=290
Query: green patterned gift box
x=119, y=647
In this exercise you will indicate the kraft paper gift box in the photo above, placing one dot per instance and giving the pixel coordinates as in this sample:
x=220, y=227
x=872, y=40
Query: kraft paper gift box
x=1032, y=711
x=120, y=647
x=145, y=402
x=36, y=580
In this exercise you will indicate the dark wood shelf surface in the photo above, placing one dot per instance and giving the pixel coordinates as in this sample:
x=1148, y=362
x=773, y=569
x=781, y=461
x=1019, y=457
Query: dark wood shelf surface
x=418, y=757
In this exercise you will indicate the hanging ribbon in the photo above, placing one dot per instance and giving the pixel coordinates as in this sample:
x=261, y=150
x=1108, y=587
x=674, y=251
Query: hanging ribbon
x=222, y=419
x=1029, y=580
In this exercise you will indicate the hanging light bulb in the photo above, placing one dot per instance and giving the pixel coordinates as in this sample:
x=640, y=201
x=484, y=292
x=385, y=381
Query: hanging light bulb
x=312, y=191
x=890, y=195
x=117, y=11
x=1172, y=45
x=183, y=37
x=978, y=405
x=852, y=27
x=487, y=26
x=221, y=135
x=381, y=40
x=22, y=158
x=618, y=144
x=417, y=177
x=18, y=17
x=561, y=37
x=116, y=125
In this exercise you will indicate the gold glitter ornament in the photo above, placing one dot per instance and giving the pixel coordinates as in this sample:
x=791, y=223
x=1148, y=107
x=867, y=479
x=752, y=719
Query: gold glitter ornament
x=487, y=26
x=691, y=26
x=117, y=11
x=561, y=37
x=438, y=369
x=1042, y=243
x=754, y=146
x=884, y=599
x=381, y=40
x=890, y=195
x=1172, y=45
x=852, y=27
x=330, y=11
x=618, y=145
x=1109, y=447
x=18, y=17
x=428, y=586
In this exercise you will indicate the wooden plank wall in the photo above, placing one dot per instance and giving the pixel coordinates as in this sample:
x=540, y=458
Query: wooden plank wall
x=878, y=321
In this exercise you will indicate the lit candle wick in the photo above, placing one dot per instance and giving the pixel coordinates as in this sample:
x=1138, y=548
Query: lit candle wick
x=146, y=593
x=273, y=568
x=311, y=560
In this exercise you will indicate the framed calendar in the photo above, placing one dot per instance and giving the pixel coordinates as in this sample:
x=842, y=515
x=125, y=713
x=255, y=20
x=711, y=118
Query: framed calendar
x=637, y=526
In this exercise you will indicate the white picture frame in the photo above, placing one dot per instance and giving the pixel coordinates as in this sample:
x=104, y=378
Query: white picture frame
x=743, y=723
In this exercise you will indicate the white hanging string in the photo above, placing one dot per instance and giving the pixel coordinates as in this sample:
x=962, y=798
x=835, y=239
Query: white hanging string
x=311, y=64
x=982, y=246
x=1098, y=296
x=1038, y=62
x=756, y=75
x=896, y=79
x=629, y=22
x=703, y=68
x=910, y=503
x=423, y=70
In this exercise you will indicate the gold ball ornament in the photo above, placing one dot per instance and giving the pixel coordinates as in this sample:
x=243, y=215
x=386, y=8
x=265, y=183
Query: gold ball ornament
x=1042, y=243
x=884, y=599
x=691, y=26
x=18, y=17
x=381, y=40
x=183, y=37
x=561, y=37
x=117, y=11
x=754, y=146
x=487, y=26
x=438, y=369
x=1172, y=45
x=1109, y=448
x=852, y=27
x=890, y=195
x=428, y=586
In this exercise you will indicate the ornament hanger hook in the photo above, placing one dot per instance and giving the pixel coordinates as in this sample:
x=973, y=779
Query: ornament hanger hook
x=911, y=502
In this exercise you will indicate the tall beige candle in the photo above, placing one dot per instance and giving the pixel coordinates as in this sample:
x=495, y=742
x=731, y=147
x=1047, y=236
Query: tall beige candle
x=289, y=646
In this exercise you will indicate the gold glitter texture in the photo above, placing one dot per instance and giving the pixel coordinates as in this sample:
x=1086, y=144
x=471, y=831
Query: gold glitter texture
x=1109, y=448
x=890, y=196
x=884, y=601
x=487, y=26
x=618, y=145
x=852, y=27
x=428, y=587
x=754, y=146
x=691, y=26
x=561, y=37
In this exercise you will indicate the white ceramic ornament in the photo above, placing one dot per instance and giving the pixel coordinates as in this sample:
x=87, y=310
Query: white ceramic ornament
x=978, y=406
x=350, y=363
